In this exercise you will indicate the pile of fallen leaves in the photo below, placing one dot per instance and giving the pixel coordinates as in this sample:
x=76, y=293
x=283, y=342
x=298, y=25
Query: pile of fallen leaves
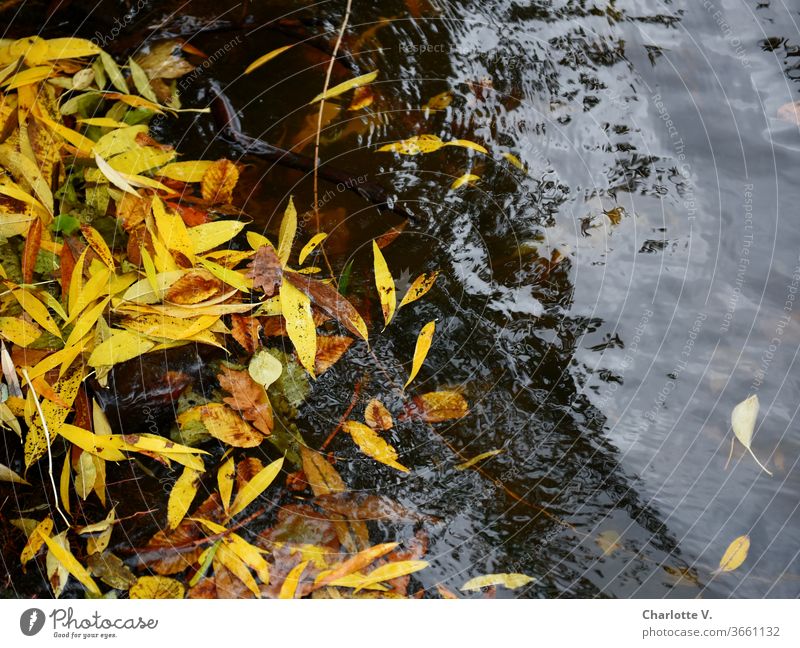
x=112, y=248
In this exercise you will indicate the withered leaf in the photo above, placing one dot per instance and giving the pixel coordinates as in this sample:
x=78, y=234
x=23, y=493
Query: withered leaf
x=245, y=330
x=111, y=570
x=329, y=349
x=266, y=270
x=321, y=476
x=377, y=416
x=247, y=397
x=219, y=181
x=195, y=286
x=330, y=300
x=435, y=407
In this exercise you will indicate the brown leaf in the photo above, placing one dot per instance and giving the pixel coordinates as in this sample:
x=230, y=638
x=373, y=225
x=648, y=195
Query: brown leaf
x=377, y=416
x=191, y=216
x=435, y=407
x=194, y=287
x=33, y=242
x=329, y=349
x=228, y=586
x=246, y=469
x=132, y=211
x=219, y=181
x=205, y=589
x=330, y=300
x=247, y=397
x=266, y=271
x=245, y=331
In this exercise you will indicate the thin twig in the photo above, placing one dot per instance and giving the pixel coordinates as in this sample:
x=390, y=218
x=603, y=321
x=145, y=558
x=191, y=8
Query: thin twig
x=47, y=436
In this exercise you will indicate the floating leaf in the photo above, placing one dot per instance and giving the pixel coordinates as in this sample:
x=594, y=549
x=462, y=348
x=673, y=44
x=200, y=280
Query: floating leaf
x=337, y=90
x=477, y=459
x=264, y=368
x=247, y=397
x=467, y=178
x=296, y=309
x=743, y=421
x=354, y=563
x=287, y=233
x=362, y=98
x=57, y=573
x=421, y=350
x=390, y=571
x=377, y=416
x=265, y=269
x=156, y=587
x=439, y=101
x=224, y=424
x=219, y=181
x=372, y=445
x=309, y=247
x=511, y=581
x=439, y=406
x=320, y=475
x=609, y=542
x=8, y=475
x=225, y=477
x=181, y=496
x=513, y=159
x=419, y=288
x=255, y=487
x=331, y=301
x=267, y=57
x=329, y=349
x=427, y=143
x=384, y=283
x=735, y=554
x=289, y=587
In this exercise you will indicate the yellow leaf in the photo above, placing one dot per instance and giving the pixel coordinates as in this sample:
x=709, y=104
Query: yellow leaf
x=309, y=247
x=337, y=90
x=19, y=331
x=511, y=581
x=609, y=541
x=219, y=181
x=230, y=277
x=247, y=553
x=181, y=496
x=228, y=559
x=57, y=574
x=372, y=445
x=320, y=475
x=354, y=563
x=85, y=323
x=119, y=141
x=152, y=289
x=225, y=477
x=99, y=245
x=36, y=540
x=513, y=159
x=85, y=475
x=289, y=587
x=28, y=77
x=287, y=233
x=114, y=177
x=390, y=571
x=264, y=368
x=362, y=98
x=414, y=145
x=156, y=587
x=477, y=459
x=384, y=283
x=98, y=284
x=467, y=178
x=296, y=309
x=257, y=485
x=419, y=288
x=735, y=554
x=65, y=557
x=121, y=346
x=140, y=80
x=170, y=328
x=190, y=171
x=438, y=406
x=467, y=144
x=377, y=416
x=70, y=47
x=266, y=57
x=256, y=240
x=743, y=421
x=63, y=485
x=421, y=350
x=172, y=230
x=105, y=447
x=439, y=101
x=37, y=310
x=210, y=235
x=224, y=424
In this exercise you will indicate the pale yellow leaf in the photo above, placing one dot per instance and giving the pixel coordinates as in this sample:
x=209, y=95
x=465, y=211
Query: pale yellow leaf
x=210, y=235
x=419, y=288
x=156, y=587
x=390, y=571
x=121, y=346
x=264, y=368
x=743, y=421
x=467, y=178
x=287, y=233
x=735, y=554
x=477, y=459
x=296, y=309
x=225, y=477
x=181, y=496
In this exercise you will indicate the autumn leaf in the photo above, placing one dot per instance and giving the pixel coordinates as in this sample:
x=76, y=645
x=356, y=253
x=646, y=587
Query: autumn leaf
x=224, y=424
x=321, y=476
x=30, y=252
x=329, y=349
x=354, y=563
x=309, y=247
x=156, y=587
x=439, y=406
x=362, y=98
x=225, y=476
x=36, y=540
x=265, y=269
x=609, y=542
x=427, y=143
x=735, y=554
x=195, y=286
x=208, y=236
x=287, y=233
x=466, y=179
x=296, y=309
x=289, y=587
x=377, y=416
x=253, y=488
x=511, y=581
x=331, y=301
x=421, y=350
x=261, y=60
x=477, y=459
x=340, y=89
x=372, y=445
x=70, y=563
x=390, y=571
x=384, y=283
x=247, y=397
x=181, y=496
x=219, y=181
x=743, y=421
x=264, y=368
x=439, y=101
x=419, y=288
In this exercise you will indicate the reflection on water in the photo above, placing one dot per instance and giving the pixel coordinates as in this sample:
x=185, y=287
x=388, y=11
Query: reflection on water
x=604, y=309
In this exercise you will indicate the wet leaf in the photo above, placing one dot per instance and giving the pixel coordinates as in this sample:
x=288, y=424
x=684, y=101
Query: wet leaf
x=225, y=476
x=296, y=309
x=419, y=288
x=427, y=143
x=287, y=233
x=121, y=346
x=477, y=459
x=265, y=269
x=37, y=310
x=224, y=424
x=354, y=564
x=363, y=97
x=421, y=350
x=372, y=445
x=30, y=252
x=19, y=331
x=609, y=542
x=64, y=556
x=309, y=247
x=57, y=573
x=289, y=587
x=511, y=581
x=439, y=101
x=436, y=407
x=735, y=554
x=194, y=287
x=255, y=487
x=467, y=178
x=156, y=587
x=181, y=496
x=390, y=571
x=261, y=60
x=331, y=301
x=321, y=476
x=330, y=348
x=384, y=283
x=8, y=475
x=377, y=416
x=264, y=368
x=219, y=181
x=248, y=398
x=743, y=421
x=111, y=570
x=36, y=540
x=341, y=88
x=208, y=236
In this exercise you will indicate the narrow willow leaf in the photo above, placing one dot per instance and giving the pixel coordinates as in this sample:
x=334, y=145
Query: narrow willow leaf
x=121, y=346
x=354, y=563
x=467, y=178
x=225, y=477
x=181, y=496
x=390, y=571
x=372, y=445
x=421, y=350
x=114, y=176
x=419, y=288
x=475, y=460
x=141, y=81
x=511, y=581
x=385, y=284
x=735, y=554
x=266, y=58
x=114, y=73
x=743, y=421
x=296, y=309
x=513, y=159
x=287, y=233
x=337, y=90
x=309, y=247
x=289, y=587
x=467, y=144
x=65, y=557
x=8, y=475
x=255, y=487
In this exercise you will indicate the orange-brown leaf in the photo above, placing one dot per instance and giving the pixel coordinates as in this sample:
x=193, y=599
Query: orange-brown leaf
x=245, y=331
x=377, y=416
x=194, y=287
x=321, y=476
x=247, y=397
x=227, y=426
x=33, y=241
x=330, y=300
x=219, y=181
x=329, y=349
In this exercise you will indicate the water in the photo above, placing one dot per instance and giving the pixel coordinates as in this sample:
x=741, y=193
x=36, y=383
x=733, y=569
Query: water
x=603, y=312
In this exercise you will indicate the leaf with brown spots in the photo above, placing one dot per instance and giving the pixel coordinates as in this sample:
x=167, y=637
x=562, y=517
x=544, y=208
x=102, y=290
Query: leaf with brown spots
x=247, y=397
x=245, y=331
x=329, y=349
x=330, y=300
x=219, y=181
x=224, y=424
x=194, y=287
x=266, y=270
x=321, y=476
x=377, y=416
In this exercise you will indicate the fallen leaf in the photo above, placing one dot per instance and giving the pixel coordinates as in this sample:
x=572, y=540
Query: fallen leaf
x=362, y=98
x=225, y=477
x=111, y=570
x=245, y=331
x=609, y=542
x=385, y=284
x=372, y=445
x=439, y=101
x=156, y=587
x=377, y=416
x=253, y=488
x=439, y=406
x=57, y=573
x=224, y=424
x=390, y=571
x=353, y=564
x=331, y=301
x=341, y=88
x=289, y=587
x=219, y=181
x=511, y=581
x=467, y=178
x=743, y=421
x=266, y=271
x=421, y=350
x=475, y=460
x=63, y=555
x=287, y=233
x=181, y=496
x=321, y=476
x=8, y=475
x=36, y=540
x=419, y=288
x=309, y=247
x=735, y=554
x=266, y=57
x=296, y=309
x=30, y=252
x=195, y=286
x=208, y=236
x=264, y=368
x=329, y=349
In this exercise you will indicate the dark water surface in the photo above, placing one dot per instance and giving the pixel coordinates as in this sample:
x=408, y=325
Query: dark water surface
x=603, y=312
